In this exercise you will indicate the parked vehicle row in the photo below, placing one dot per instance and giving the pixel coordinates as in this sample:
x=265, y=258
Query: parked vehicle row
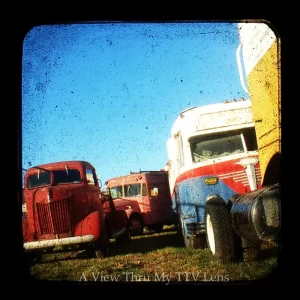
x=220, y=186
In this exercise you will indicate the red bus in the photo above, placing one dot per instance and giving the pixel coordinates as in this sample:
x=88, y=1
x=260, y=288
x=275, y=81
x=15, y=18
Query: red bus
x=145, y=196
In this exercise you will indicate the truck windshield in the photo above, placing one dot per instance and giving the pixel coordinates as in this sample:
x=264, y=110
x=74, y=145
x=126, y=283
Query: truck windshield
x=38, y=179
x=66, y=176
x=222, y=144
x=60, y=176
x=116, y=192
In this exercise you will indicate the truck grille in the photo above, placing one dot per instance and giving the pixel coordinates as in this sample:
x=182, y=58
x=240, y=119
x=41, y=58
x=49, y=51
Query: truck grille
x=241, y=176
x=54, y=217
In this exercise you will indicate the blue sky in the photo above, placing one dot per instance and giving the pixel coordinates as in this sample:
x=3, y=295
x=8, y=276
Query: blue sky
x=109, y=93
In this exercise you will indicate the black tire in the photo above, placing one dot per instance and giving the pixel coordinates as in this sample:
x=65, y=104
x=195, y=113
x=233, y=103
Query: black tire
x=101, y=250
x=124, y=238
x=251, y=250
x=100, y=253
x=136, y=225
x=101, y=247
x=219, y=231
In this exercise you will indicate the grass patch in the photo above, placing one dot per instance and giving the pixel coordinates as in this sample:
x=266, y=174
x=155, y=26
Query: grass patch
x=152, y=257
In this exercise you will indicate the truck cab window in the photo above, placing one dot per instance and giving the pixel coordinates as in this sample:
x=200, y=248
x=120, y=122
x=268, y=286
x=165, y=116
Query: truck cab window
x=90, y=177
x=63, y=176
x=36, y=180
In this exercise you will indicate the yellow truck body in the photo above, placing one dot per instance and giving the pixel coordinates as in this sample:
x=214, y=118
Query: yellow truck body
x=261, y=56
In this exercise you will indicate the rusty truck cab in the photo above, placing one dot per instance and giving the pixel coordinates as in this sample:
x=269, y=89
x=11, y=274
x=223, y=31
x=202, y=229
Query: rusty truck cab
x=63, y=207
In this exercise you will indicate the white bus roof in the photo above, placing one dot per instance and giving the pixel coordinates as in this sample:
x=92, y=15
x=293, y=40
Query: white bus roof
x=213, y=116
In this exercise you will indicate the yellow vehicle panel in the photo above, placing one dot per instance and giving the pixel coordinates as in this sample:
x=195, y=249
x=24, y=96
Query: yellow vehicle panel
x=261, y=53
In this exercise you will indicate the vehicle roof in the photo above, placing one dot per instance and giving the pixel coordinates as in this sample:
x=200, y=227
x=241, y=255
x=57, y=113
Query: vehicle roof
x=190, y=119
x=61, y=165
x=139, y=175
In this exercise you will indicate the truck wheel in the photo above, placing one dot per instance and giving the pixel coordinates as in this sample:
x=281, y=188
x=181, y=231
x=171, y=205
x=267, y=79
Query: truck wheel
x=124, y=238
x=251, y=250
x=101, y=248
x=136, y=225
x=219, y=231
x=101, y=251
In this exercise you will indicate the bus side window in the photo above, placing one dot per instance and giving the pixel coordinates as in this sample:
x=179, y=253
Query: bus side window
x=144, y=190
x=90, y=177
x=132, y=190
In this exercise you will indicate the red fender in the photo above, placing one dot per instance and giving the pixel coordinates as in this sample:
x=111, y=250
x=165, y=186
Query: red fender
x=92, y=224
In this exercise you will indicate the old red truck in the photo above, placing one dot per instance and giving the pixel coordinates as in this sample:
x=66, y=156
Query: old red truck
x=63, y=208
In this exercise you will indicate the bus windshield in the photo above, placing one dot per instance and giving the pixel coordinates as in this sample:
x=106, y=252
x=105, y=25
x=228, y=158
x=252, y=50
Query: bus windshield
x=222, y=144
x=116, y=192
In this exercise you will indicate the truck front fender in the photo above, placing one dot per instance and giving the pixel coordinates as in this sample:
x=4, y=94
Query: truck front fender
x=93, y=224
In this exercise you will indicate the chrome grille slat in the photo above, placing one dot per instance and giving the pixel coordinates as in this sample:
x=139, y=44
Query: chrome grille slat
x=241, y=176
